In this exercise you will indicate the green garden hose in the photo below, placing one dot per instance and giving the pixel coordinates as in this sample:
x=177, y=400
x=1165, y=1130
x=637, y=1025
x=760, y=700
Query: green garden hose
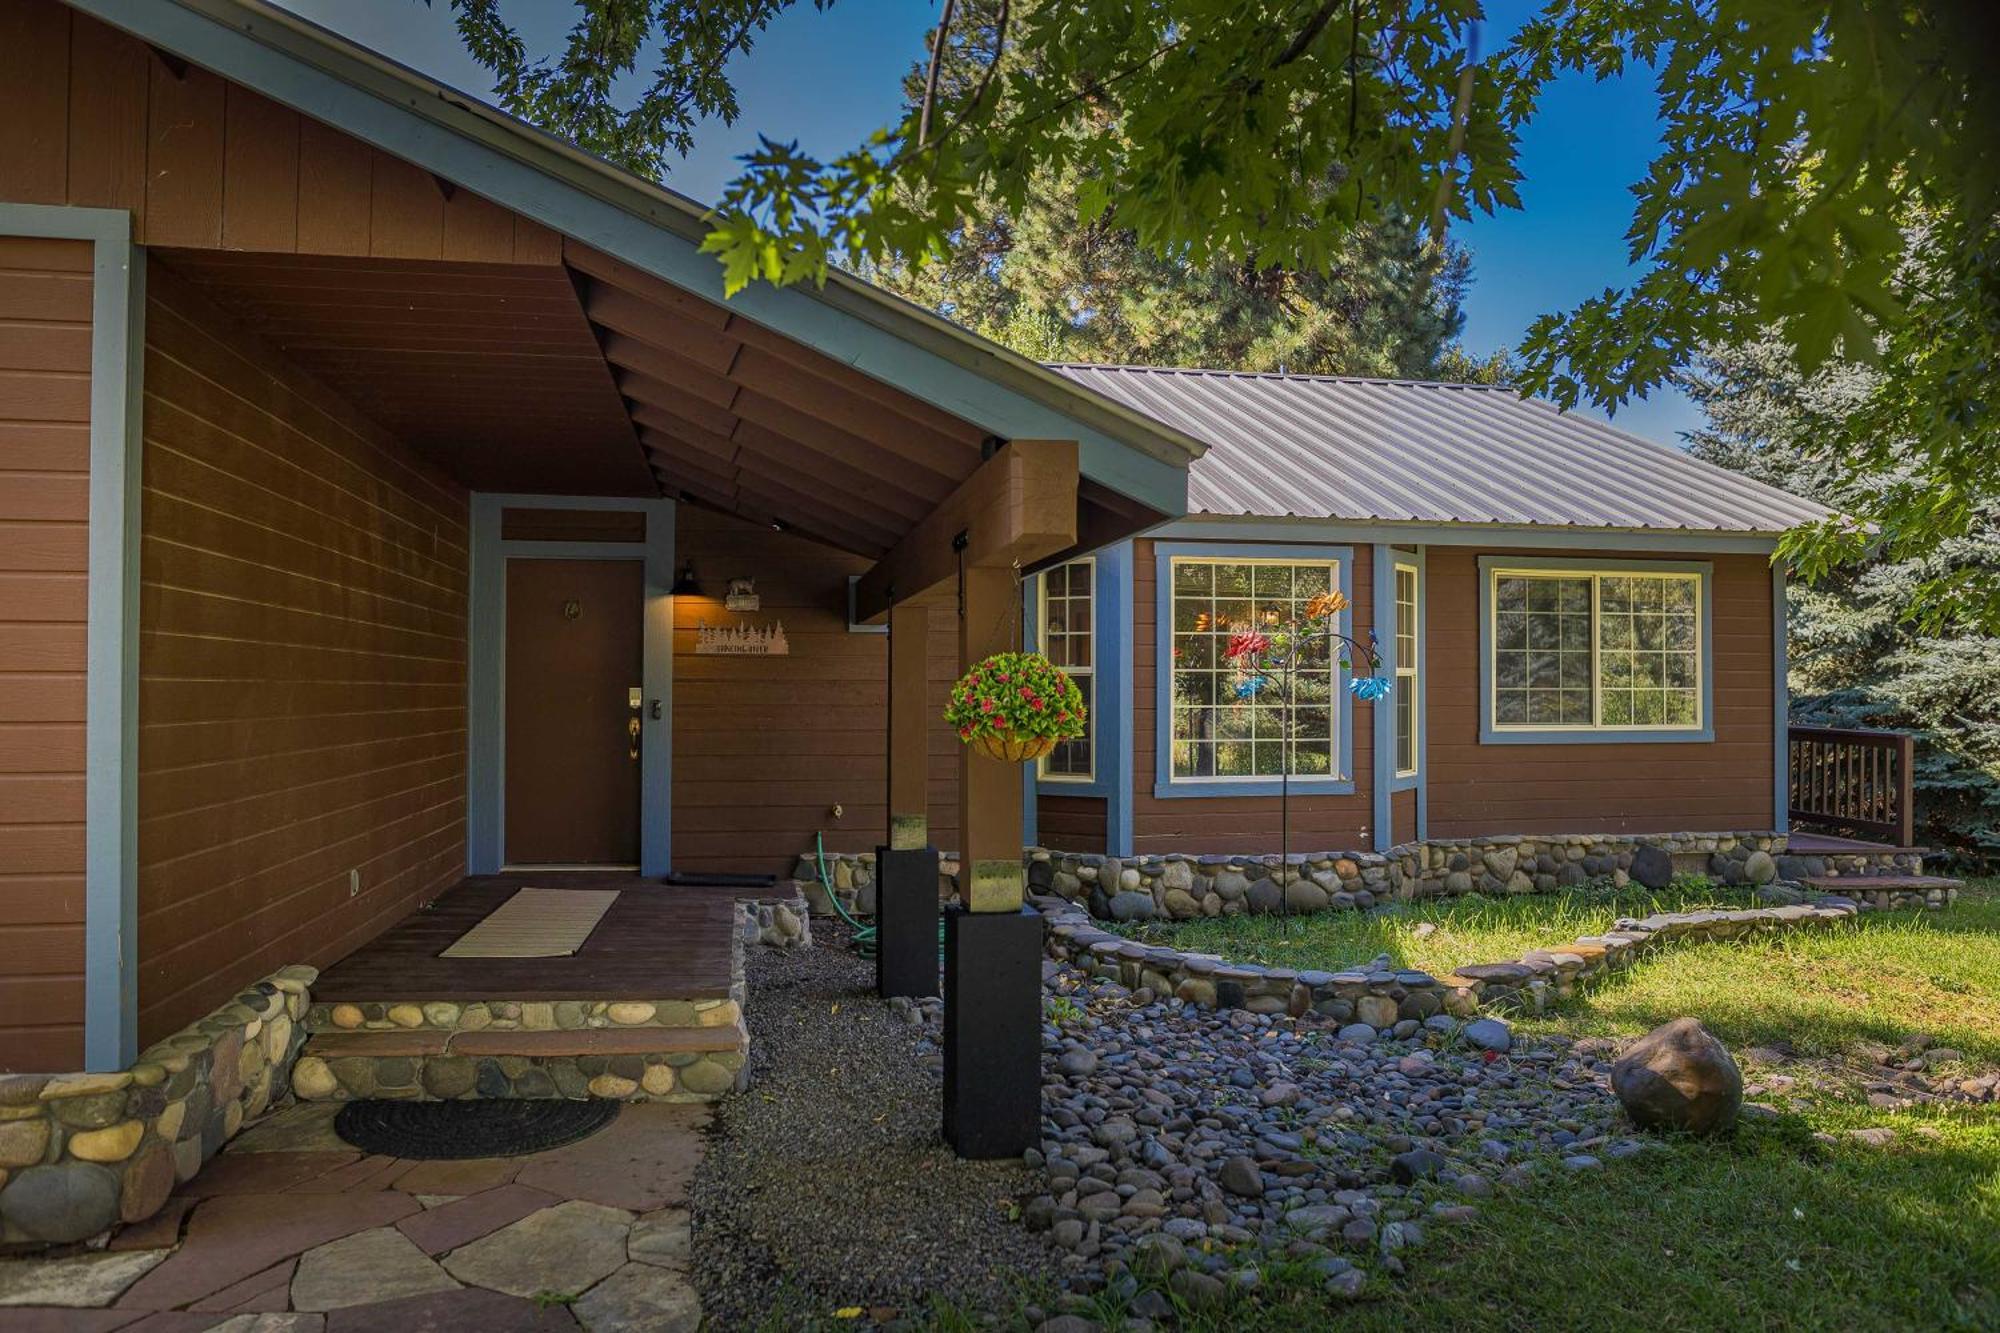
x=864, y=936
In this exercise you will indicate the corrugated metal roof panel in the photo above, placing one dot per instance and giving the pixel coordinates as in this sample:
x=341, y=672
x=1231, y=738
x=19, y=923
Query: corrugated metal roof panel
x=1315, y=446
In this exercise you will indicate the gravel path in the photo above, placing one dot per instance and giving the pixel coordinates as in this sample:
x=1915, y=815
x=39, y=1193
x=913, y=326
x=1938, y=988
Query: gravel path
x=828, y=1183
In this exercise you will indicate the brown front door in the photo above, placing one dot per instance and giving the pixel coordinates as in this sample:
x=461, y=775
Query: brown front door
x=573, y=657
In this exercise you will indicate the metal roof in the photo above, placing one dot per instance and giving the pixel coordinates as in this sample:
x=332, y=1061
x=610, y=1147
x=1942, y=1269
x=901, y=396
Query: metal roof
x=1317, y=446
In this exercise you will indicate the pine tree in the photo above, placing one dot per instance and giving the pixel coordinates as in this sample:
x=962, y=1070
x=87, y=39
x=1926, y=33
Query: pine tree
x=1054, y=278
x=1858, y=659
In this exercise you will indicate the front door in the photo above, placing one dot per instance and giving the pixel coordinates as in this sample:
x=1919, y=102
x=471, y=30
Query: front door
x=574, y=655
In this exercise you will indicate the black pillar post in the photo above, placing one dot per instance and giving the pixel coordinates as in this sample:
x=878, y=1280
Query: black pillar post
x=906, y=921
x=992, y=1032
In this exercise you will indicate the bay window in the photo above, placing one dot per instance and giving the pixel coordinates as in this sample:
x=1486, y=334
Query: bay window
x=1218, y=732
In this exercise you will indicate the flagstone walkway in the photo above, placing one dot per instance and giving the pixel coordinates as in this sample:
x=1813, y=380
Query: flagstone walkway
x=290, y=1230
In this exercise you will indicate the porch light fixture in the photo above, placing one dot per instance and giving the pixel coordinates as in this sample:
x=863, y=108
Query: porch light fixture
x=685, y=585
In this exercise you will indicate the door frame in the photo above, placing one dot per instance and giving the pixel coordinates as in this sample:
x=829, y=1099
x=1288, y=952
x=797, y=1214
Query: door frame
x=486, y=668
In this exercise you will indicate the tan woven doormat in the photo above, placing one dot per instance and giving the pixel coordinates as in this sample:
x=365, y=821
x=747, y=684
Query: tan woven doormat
x=536, y=923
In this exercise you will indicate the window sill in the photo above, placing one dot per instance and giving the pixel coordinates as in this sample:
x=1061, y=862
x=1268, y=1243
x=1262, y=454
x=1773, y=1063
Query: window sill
x=1183, y=788
x=1607, y=736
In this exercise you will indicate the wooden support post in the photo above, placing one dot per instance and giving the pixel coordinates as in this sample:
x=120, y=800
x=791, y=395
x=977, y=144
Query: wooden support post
x=909, y=727
x=989, y=791
x=906, y=867
x=1018, y=507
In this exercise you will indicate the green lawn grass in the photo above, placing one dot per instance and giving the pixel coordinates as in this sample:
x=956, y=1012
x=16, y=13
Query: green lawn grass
x=1437, y=934
x=1771, y=1229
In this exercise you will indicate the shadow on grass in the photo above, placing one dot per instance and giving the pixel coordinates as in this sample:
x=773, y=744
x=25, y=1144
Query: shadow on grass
x=1768, y=1229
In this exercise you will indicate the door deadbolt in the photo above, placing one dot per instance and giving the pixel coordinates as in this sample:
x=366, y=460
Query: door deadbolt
x=572, y=609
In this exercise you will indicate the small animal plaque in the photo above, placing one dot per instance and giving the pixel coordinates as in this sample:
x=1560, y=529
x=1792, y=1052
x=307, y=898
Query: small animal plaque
x=741, y=640
x=742, y=596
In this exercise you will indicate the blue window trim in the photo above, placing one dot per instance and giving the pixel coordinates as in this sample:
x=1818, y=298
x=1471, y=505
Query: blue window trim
x=1164, y=785
x=486, y=672
x=1111, y=603
x=1489, y=735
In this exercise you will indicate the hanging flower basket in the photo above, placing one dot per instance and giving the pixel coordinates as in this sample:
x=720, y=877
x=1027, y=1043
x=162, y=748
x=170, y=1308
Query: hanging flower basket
x=1012, y=749
x=1014, y=707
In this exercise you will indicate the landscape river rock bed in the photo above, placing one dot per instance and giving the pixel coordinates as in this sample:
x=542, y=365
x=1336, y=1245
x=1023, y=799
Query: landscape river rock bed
x=1186, y=1147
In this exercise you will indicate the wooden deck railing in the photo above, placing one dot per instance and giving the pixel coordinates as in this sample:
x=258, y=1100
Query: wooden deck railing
x=1853, y=779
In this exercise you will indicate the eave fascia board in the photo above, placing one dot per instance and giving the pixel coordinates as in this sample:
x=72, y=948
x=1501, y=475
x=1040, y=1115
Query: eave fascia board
x=452, y=134
x=1215, y=527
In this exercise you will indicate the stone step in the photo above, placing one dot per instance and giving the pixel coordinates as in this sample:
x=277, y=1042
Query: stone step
x=674, y=1064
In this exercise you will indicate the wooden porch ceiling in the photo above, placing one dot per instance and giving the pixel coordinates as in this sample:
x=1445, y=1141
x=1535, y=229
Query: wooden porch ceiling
x=490, y=370
x=591, y=377
x=733, y=415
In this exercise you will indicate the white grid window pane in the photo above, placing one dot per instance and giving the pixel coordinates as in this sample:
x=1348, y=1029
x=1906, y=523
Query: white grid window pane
x=1405, y=701
x=1649, y=647
x=1541, y=650
x=1067, y=619
x=1215, y=733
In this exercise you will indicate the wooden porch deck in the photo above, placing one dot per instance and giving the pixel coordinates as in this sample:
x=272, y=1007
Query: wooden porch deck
x=657, y=942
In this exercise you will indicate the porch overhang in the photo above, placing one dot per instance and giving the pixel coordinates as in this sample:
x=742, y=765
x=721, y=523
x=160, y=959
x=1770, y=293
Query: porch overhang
x=655, y=303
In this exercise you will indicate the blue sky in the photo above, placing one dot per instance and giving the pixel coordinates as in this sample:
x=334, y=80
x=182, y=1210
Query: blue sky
x=827, y=79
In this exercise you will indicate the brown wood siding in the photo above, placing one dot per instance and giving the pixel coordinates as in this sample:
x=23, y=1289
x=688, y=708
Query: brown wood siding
x=45, y=330
x=765, y=747
x=1071, y=823
x=302, y=667
x=94, y=118
x=1403, y=816
x=1240, y=824
x=1585, y=788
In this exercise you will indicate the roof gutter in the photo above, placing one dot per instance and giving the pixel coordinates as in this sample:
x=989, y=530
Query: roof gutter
x=466, y=116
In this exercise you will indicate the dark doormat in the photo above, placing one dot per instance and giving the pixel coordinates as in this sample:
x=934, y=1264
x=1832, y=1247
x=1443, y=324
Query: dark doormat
x=432, y=1131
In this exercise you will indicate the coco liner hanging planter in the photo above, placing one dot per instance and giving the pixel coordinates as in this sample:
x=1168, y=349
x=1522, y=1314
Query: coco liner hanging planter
x=1015, y=707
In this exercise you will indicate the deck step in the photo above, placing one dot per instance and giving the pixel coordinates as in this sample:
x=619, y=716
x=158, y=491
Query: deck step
x=586, y=1041
x=1870, y=883
x=638, y=1063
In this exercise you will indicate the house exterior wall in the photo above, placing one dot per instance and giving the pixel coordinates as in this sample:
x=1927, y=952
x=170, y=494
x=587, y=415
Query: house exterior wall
x=45, y=383
x=1205, y=825
x=1073, y=823
x=1468, y=787
x=94, y=118
x=1653, y=787
x=1402, y=816
x=302, y=668
x=765, y=747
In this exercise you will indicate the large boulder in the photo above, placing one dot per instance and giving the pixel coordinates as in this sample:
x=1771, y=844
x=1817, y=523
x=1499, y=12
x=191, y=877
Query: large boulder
x=1678, y=1076
x=1652, y=867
